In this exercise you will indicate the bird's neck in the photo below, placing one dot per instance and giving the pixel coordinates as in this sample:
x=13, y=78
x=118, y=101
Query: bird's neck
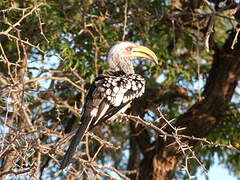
x=114, y=73
x=124, y=69
x=117, y=63
x=124, y=66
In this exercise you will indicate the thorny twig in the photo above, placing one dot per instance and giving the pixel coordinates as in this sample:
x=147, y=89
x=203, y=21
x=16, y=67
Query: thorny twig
x=185, y=148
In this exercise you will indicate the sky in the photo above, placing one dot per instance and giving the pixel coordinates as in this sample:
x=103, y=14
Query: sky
x=217, y=172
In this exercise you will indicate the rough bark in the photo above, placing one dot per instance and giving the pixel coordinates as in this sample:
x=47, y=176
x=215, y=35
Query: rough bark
x=201, y=118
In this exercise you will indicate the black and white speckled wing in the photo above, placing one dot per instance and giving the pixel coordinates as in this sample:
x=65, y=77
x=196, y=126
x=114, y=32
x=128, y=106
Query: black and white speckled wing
x=112, y=93
x=109, y=94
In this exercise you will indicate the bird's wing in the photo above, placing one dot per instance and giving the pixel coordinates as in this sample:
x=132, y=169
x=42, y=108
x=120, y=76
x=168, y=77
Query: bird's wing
x=113, y=93
x=108, y=95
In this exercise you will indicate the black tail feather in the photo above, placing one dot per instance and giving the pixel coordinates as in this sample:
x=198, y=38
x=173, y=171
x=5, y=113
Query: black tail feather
x=75, y=141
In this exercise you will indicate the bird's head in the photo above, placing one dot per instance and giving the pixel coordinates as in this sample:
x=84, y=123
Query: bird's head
x=120, y=56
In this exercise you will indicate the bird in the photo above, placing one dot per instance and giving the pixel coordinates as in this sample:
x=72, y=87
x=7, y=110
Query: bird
x=111, y=92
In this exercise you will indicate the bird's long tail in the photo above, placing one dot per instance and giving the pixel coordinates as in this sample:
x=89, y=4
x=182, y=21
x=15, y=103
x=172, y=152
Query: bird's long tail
x=75, y=141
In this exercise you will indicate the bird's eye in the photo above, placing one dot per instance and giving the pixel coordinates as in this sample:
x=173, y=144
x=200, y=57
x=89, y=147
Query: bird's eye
x=128, y=48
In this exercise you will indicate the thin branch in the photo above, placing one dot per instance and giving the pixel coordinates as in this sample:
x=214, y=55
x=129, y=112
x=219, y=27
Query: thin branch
x=235, y=40
x=125, y=19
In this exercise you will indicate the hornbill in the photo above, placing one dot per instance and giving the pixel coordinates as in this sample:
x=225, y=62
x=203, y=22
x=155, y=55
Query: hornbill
x=111, y=92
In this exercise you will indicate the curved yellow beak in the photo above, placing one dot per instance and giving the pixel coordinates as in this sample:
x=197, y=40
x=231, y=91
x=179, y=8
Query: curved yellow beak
x=143, y=52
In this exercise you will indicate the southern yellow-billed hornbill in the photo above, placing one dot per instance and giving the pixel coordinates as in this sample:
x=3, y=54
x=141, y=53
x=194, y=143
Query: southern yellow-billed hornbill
x=111, y=92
